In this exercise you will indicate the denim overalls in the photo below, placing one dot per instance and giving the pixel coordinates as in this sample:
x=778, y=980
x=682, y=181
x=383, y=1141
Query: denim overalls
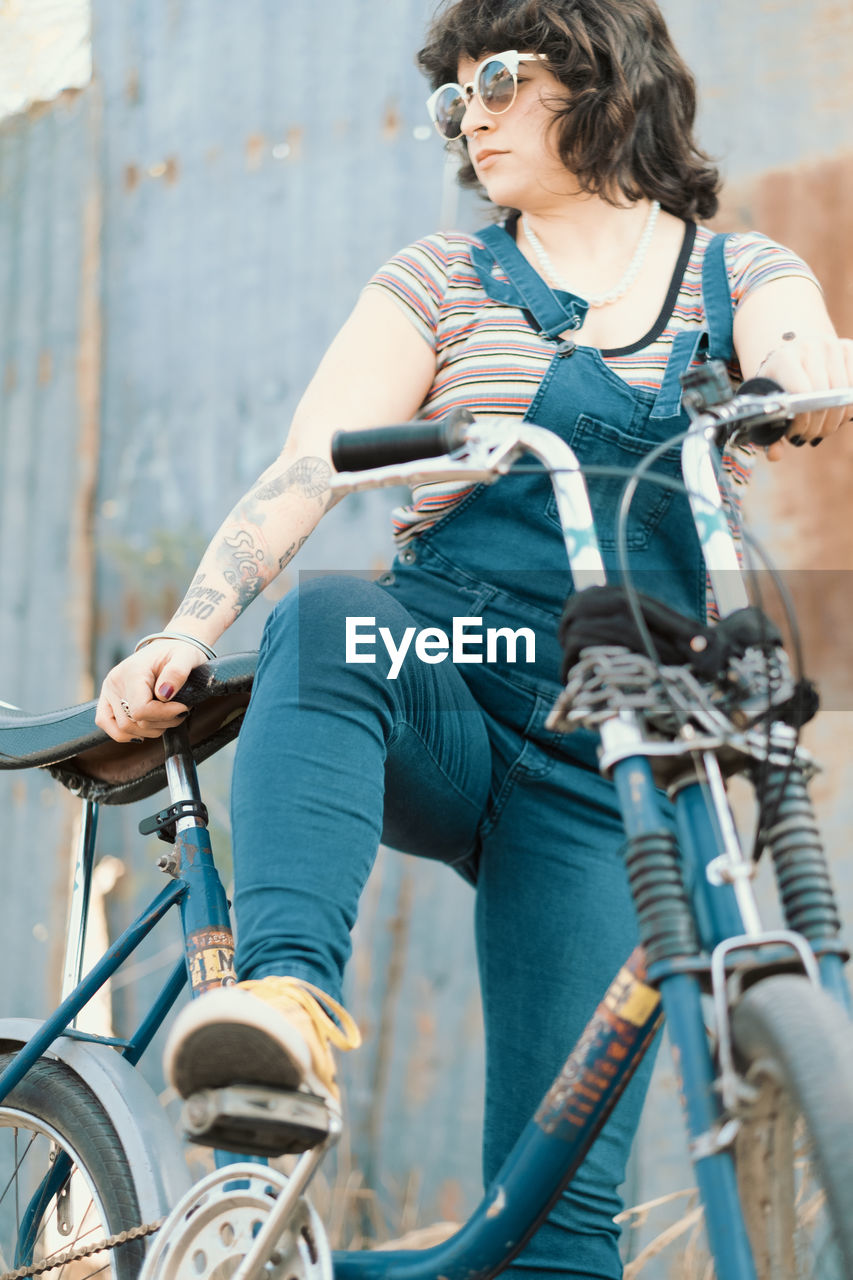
x=452, y=760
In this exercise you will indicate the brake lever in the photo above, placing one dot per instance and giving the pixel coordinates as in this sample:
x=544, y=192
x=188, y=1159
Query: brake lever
x=762, y=419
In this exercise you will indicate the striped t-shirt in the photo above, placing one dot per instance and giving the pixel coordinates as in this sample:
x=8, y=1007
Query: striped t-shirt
x=490, y=360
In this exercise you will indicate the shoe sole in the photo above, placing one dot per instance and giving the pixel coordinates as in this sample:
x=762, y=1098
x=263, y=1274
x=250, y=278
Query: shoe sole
x=233, y=1044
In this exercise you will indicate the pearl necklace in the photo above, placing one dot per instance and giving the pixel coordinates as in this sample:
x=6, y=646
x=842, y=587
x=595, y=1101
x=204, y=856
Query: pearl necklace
x=619, y=290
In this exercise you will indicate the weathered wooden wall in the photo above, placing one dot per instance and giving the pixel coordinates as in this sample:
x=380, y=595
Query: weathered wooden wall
x=178, y=243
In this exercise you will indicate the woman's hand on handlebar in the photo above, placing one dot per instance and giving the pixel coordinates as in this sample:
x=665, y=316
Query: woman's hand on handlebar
x=136, y=697
x=811, y=364
x=783, y=331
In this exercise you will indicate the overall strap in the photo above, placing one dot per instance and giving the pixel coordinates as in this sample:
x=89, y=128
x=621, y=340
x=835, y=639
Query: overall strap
x=712, y=342
x=717, y=301
x=552, y=309
x=687, y=346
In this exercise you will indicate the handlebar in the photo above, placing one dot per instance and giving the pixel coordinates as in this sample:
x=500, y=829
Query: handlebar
x=481, y=452
x=760, y=413
x=769, y=427
x=402, y=442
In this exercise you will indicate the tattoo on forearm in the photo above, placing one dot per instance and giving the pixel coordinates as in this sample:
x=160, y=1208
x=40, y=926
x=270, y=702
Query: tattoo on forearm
x=244, y=568
x=291, y=551
x=243, y=555
x=200, y=601
x=308, y=476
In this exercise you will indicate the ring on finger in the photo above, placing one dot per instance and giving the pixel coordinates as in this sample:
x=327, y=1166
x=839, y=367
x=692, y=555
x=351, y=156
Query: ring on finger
x=126, y=709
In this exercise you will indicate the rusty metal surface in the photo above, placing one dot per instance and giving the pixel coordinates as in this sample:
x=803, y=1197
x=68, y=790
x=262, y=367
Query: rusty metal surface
x=774, y=79
x=798, y=509
x=178, y=243
x=250, y=187
x=231, y=203
x=46, y=179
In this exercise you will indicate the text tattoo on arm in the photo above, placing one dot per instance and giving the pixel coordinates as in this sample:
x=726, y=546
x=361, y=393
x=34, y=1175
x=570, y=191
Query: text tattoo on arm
x=242, y=553
x=244, y=569
x=200, y=601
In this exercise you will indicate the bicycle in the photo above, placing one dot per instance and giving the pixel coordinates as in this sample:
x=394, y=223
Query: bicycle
x=92, y=1169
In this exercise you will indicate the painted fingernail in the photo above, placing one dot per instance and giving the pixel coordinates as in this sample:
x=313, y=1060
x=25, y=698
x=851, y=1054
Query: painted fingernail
x=165, y=692
x=796, y=441
x=138, y=740
x=819, y=440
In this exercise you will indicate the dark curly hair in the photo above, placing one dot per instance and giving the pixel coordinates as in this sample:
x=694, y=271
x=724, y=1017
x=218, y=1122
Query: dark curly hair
x=626, y=130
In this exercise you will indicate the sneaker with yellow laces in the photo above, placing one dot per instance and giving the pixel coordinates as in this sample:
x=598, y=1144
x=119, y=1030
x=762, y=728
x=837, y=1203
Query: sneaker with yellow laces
x=273, y=1032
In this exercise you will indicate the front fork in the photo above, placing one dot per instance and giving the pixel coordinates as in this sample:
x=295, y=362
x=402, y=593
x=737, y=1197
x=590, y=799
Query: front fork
x=724, y=904
x=722, y=919
x=667, y=933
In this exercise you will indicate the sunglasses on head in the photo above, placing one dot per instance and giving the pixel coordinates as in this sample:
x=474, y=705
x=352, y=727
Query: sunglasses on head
x=495, y=83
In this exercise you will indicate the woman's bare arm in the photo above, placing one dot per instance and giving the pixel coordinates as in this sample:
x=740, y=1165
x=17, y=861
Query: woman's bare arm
x=377, y=370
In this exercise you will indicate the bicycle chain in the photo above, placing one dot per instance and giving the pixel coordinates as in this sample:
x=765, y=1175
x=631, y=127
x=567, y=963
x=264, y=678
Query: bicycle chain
x=84, y=1251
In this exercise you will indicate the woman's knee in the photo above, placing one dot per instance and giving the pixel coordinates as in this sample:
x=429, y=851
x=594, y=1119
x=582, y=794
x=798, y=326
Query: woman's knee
x=342, y=631
x=328, y=596
x=322, y=614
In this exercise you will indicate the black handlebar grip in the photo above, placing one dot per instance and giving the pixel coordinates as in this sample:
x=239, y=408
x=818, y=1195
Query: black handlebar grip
x=762, y=434
x=402, y=442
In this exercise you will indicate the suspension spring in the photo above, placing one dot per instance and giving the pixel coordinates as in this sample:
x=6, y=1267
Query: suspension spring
x=663, y=912
x=802, y=869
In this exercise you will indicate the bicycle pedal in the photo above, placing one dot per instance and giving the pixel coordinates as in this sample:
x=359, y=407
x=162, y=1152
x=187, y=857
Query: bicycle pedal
x=255, y=1120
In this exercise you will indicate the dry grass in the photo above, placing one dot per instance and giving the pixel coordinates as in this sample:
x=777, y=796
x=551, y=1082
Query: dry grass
x=357, y=1217
x=360, y=1217
x=685, y=1237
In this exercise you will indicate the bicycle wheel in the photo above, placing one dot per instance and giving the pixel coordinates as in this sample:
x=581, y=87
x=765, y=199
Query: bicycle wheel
x=65, y=1181
x=794, y=1152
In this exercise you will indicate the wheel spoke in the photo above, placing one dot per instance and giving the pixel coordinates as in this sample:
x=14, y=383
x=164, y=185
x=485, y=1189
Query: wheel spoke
x=35, y=1181
x=67, y=1241
x=13, y=1177
x=67, y=1184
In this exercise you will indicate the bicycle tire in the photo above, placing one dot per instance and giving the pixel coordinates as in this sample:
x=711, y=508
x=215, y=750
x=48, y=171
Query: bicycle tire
x=794, y=1152
x=50, y=1106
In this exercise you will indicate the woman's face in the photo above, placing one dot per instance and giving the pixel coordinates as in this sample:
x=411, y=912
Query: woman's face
x=514, y=154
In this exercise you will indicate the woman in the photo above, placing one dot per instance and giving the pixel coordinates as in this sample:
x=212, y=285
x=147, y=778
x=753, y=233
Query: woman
x=578, y=311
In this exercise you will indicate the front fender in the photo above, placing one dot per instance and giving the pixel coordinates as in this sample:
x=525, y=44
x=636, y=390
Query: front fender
x=153, y=1149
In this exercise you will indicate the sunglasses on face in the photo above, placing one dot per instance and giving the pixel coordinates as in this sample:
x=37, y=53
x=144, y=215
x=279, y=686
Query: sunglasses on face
x=495, y=83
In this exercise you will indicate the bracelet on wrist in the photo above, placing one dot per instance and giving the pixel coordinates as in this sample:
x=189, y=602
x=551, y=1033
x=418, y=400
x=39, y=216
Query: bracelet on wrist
x=176, y=635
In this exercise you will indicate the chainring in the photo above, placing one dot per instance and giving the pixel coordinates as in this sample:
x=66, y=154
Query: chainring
x=212, y=1229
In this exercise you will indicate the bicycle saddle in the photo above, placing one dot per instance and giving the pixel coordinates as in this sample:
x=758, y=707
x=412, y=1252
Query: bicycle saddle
x=84, y=759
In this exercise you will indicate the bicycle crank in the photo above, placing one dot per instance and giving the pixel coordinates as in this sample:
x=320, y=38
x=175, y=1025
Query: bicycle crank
x=213, y=1228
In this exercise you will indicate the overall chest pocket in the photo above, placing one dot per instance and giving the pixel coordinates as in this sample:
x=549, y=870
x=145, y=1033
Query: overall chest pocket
x=598, y=444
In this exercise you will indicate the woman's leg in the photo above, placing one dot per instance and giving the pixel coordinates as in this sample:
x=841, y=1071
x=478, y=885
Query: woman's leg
x=332, y=756
x=555, y=922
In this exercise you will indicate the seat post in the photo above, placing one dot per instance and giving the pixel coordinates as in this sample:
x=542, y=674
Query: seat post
x=205, y=913
x=181, y=776
x=75, y=942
